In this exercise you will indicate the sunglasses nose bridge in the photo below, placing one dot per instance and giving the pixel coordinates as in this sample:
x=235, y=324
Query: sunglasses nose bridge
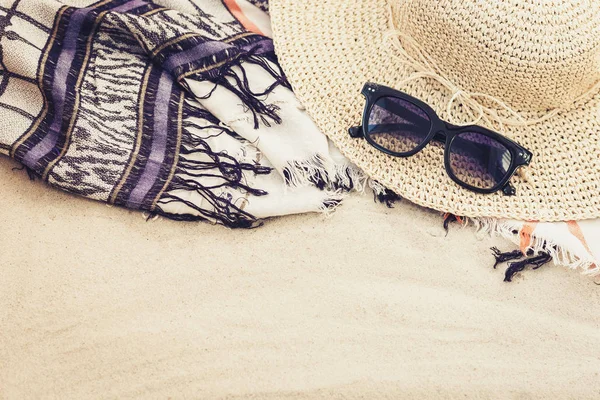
x=440, y=136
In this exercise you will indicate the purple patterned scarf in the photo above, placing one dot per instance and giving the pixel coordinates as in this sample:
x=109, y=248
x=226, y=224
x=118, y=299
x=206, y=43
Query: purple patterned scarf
x=173, y=107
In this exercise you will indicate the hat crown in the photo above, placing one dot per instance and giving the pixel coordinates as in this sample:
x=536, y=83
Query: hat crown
x=531, y=54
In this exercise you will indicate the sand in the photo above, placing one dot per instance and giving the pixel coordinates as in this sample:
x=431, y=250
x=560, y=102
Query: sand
x=369, y=303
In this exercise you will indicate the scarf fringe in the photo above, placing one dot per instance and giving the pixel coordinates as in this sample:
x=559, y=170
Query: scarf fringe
x=505, y=257
x=313, y=171
x=538, y=261
x=270, y=64
x=348, y=178
x=225, y=212
x=223, y=171
x=336, y=176
x=383, y=194
x=225, y=174
x=233, y=76
x=340, y=177
x=267, y=60
x=333, y=201
x=539, y=252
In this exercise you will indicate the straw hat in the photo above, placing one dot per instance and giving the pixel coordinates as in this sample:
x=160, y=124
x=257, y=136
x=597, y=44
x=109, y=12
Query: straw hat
x=529, y=69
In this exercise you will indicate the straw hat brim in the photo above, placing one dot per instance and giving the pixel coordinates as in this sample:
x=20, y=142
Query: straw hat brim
x=330, y=48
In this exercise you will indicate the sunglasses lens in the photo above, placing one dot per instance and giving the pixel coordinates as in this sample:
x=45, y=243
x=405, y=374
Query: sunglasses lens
x=398, y=125
x=479, y=160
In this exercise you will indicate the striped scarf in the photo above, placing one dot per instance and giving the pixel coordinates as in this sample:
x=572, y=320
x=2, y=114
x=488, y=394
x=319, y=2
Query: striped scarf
x=173, y=107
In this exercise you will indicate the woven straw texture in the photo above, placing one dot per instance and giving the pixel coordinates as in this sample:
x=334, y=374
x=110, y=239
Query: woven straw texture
x=531, y=55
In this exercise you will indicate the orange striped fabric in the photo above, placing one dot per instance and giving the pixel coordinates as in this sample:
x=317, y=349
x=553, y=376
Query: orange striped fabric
x=525, y=234
x=237, y=12
x=576, y=231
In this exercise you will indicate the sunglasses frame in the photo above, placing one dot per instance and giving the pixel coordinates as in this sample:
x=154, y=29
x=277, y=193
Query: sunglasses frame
x=443, y=132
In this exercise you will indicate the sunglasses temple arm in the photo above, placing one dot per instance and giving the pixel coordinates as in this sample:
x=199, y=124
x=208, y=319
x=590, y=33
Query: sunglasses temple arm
x=356, y=132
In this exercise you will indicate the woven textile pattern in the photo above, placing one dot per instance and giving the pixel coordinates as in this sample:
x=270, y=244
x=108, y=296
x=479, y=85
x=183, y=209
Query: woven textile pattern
x=95, y=100
x=446, y=53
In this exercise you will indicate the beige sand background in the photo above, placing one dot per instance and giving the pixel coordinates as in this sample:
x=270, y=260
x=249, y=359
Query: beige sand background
x=370, y=303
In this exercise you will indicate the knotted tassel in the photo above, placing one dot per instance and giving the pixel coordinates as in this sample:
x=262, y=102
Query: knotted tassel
x=537, y=262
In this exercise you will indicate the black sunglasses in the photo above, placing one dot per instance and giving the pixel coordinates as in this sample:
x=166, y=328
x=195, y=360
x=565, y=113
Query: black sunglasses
x=476, y=158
